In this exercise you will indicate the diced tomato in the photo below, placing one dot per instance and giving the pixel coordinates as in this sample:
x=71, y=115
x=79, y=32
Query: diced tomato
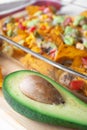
x=76, y=84
x=84, y=60
x=42, y=8
x=43, y=27
x=17, y=19
x=21, y=26
x=32, y=29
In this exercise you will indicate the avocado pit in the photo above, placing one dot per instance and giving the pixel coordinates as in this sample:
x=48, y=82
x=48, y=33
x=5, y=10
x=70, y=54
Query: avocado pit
x=39, y=89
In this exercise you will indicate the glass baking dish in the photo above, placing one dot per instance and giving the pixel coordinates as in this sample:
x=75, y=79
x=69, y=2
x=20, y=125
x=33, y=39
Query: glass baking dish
x=62, y=9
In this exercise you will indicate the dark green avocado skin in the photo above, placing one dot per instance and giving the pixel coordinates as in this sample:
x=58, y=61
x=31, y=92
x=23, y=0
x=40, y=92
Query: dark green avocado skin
x=34, y=115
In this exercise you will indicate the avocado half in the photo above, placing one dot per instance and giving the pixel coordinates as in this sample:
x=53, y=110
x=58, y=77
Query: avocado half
x=73, y=113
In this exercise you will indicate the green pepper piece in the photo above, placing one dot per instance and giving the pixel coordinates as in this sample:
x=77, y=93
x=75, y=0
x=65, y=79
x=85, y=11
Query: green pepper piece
x=84, y=27
x=77, y=20
x=9, y=20
x=85, y=44
x=58, y=20
x=69, y=40
x=32, y=23
x=68, y=30
x=9, y=33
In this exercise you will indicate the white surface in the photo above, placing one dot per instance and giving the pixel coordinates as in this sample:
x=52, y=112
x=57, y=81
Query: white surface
x=11, y=120
x=81, y=3
x=64, y=2
x=7, y=123
x=72, y=9
x=7, y=1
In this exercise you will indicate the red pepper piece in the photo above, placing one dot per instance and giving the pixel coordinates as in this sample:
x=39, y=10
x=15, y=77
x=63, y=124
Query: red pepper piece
x=32, y=29
x=84, y=60
x=76, y=84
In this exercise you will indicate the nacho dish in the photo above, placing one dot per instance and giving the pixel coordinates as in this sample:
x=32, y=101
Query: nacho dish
x=60, y=38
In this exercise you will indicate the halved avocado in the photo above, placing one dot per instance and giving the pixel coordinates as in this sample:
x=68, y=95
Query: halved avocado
x=72, y=113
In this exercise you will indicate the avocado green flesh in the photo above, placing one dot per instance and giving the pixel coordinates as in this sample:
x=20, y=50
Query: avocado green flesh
x=71, y=114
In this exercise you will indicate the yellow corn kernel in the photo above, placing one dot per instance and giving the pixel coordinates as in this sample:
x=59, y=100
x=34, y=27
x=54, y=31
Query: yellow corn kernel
x=32, y=9
x=9, y=26
x=36, y=49
x=46, y=24
x=16, y=24
x=57, y=30
x=24, y=23
x=85, y=33
x=44, y=16
x=30, y=40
